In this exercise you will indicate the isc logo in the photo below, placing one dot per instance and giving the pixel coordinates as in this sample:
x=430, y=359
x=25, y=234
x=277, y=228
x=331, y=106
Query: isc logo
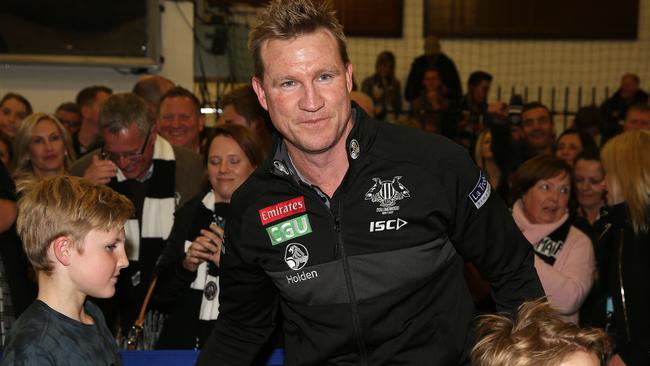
x=383, y=225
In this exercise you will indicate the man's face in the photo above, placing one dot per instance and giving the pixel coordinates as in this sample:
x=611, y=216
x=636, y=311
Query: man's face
x=230, y=115
x=71, y=120
x=91, y=112
x=629, y=87
x=431, y=80
x=384, y=69
x=636, y=120
x=179, y=122
x=130, y=150
x=306, y=89
x=537, y=128
x=480, y=91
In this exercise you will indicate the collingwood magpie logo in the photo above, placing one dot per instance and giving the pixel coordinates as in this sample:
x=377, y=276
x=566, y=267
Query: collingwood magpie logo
x=387, y=193
x=296, y=256
x=210, y=291
x=355, y=149
x=281, y=167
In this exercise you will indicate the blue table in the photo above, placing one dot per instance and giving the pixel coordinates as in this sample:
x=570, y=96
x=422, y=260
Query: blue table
x=177, y=358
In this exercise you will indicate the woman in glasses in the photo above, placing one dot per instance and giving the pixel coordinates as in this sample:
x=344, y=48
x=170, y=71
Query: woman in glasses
x=189, y=267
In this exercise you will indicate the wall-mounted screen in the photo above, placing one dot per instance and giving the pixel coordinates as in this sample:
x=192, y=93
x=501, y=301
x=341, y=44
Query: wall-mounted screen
x=119, y=33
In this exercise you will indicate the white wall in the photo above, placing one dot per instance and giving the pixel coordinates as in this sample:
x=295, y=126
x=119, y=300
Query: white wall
x=48, y=86
x=518, y=62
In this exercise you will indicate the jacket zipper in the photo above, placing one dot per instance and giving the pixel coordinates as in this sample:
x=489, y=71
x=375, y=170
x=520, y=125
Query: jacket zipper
x=605, y=230
x=339, y=248
x=356, y=322
x=620, y=280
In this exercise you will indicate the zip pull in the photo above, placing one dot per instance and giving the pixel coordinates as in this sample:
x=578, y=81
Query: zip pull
x=337, y=229
x=605, y=230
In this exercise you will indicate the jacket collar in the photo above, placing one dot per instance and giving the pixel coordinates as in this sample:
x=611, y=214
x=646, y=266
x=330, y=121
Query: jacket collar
x=617, y=214
x=358, y=144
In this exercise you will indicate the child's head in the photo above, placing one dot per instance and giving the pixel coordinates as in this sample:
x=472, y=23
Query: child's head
x=66, y=207
x=537, y=337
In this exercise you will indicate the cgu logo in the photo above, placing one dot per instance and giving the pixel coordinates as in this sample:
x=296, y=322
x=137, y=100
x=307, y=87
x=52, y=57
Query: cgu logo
x=289, y=229
x=385, y=225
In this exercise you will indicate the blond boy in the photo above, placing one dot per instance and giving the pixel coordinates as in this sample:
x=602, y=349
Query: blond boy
x=73, y=234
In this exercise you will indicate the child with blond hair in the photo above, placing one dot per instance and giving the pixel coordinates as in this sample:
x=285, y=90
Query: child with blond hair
x=73, y=235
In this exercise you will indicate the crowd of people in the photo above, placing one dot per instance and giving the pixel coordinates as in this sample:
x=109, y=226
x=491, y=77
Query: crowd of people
x=563, y=198
x=203, y=271
x=150, y=145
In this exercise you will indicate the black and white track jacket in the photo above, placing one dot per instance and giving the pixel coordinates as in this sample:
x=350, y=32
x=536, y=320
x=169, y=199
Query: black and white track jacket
x=372, y=275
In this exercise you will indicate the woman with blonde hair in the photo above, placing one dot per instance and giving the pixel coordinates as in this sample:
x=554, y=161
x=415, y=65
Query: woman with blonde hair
x=42, y=147
x=626, y=271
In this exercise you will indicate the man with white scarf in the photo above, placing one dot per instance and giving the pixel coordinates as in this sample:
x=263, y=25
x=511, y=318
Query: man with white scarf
x=156, y=176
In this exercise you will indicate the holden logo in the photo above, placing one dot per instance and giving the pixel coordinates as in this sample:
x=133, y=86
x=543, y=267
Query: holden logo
x=296, y=256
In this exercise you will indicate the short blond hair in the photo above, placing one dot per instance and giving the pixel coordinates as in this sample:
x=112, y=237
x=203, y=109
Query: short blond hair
x=65, y=206
x=537, y=337
x=626, y=158
x=287, y=19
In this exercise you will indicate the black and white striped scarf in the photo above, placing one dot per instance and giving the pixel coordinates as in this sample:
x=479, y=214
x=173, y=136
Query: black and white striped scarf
x=205, y=281
x=145, y=238
x=159, y=204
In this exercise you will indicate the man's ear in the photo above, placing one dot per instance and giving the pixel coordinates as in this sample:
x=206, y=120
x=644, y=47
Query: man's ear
x=348, y=76
x=259, y=90
x=62, y=248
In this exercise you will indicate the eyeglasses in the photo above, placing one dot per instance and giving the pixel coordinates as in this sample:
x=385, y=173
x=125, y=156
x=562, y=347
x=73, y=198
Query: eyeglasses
x=131, y=156
x=69, y=122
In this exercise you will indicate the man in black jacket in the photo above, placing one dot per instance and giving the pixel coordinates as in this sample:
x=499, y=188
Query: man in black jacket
x=433, y=58
x=615, y=108
x=353, y=228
